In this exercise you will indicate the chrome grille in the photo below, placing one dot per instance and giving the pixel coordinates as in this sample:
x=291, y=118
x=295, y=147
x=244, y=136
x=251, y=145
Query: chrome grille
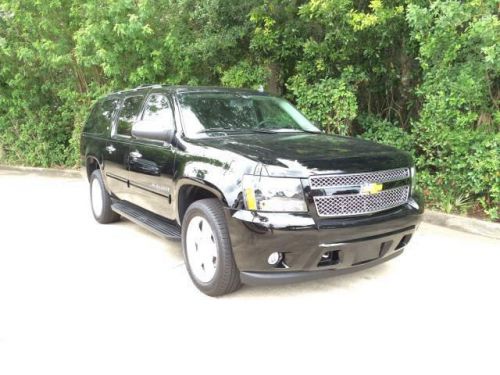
x=325, y=181
x=359, y=204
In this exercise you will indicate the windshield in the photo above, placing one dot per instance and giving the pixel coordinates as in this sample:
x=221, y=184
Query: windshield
x=215, y=114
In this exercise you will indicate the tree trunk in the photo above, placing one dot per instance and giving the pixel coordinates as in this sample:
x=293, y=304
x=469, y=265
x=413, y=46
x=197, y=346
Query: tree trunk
x=274, y=80
x=407, y=66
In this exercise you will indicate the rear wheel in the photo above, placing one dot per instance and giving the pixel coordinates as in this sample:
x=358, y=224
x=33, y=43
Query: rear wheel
x=207, y=248
x=100, y=200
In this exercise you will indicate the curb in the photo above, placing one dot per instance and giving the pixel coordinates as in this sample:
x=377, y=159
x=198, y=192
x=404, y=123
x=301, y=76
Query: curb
x=460, y=223
x=51, y=172
x=463, y=224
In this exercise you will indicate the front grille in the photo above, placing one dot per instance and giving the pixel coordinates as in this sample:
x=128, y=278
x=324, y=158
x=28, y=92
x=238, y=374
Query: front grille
x=349, y=204
x=359, y=204
x=318, y=182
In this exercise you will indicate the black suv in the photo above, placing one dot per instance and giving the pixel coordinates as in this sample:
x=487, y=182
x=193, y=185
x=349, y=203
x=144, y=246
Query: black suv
x=255, y=192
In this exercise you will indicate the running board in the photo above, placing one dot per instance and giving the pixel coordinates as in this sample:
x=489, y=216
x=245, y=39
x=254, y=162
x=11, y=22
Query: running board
x=155, y=223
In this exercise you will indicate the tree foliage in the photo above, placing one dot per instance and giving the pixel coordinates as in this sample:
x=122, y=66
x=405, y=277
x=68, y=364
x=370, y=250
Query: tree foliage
x=421, y=75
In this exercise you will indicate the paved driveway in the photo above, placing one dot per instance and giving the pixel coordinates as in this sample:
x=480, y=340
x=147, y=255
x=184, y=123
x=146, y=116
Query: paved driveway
x=77, y=297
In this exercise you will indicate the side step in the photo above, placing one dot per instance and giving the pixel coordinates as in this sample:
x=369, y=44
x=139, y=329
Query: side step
x=156, y=224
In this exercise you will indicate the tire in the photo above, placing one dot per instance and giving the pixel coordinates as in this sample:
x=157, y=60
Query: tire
x=100, y=201
x=198, y=239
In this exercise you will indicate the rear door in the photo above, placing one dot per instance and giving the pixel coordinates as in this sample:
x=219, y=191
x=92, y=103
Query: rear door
x=116, y=154
x=151, y=162
x=98, y=127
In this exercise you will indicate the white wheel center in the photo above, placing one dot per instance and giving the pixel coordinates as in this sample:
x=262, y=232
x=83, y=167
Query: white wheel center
x=201, y=249
x=96, y=197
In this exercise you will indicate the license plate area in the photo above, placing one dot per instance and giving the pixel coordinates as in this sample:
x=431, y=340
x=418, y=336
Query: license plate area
x=355, y=253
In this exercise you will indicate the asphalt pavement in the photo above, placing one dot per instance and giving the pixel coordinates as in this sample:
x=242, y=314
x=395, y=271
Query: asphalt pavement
x=77, y=297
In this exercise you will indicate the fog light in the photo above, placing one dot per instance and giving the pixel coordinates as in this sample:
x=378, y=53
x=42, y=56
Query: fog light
x=275, y=258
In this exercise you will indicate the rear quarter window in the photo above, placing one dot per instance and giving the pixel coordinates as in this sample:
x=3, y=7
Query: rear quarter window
x=101, y=116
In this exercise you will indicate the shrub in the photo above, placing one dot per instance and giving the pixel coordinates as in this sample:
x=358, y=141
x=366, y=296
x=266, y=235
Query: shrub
x=329, y=102
x=382, y=131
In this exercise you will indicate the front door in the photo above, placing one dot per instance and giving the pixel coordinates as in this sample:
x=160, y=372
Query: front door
x=151, y=162
x=116, y=154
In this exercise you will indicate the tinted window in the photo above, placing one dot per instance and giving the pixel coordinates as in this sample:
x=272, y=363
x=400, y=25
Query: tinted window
x=100, y=118
x=128, y=114
x=204, y=113
x=272, y=114
x=158, y=112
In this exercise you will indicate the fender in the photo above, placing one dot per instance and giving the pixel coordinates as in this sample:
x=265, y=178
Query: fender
x=101, y=167
x=202, y=184
x=190, y=181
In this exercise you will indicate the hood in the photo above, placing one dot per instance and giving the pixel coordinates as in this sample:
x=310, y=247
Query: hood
x=306, y=153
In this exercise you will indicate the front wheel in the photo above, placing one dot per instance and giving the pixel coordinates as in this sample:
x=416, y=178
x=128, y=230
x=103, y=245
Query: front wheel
x=207, y=248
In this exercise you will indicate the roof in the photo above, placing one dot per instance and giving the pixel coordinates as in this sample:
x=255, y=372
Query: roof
x=189, y=89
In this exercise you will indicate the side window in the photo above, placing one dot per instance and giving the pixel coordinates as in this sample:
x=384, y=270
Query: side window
x=100, y=118
x=92, y=122
x=158, y=112
x=128, y=114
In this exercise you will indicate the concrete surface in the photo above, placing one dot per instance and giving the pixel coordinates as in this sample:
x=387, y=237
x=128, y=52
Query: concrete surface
x=464, y=224
x=46, y=172
x=77, y=297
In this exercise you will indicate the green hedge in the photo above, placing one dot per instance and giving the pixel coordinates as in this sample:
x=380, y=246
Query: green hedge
x=420, y=75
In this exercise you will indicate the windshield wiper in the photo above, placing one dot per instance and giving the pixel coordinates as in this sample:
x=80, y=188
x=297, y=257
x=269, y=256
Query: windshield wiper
x=236, y=130
x=255, y=130
x=218, y=130
x=267, y=131
x=283, y=130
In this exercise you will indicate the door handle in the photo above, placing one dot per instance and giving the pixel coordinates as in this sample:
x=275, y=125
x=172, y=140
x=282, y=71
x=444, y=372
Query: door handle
x=135, y=154
x=110, y=149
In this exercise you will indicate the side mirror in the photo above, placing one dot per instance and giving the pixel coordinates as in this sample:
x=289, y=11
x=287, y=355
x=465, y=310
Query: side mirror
x=152, y=130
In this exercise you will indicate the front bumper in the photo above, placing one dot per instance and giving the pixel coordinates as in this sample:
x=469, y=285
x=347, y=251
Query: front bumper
x=278, y=278
x=314, y=249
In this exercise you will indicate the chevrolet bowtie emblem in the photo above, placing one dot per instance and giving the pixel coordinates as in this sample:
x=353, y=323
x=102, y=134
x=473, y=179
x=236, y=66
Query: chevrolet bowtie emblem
x=371, y=188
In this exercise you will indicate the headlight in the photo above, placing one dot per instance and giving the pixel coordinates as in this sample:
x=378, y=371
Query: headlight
x=273, y=194
x=413, y=177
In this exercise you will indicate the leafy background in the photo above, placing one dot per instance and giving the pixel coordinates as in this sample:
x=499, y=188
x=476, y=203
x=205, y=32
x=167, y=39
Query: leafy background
x=420, y=75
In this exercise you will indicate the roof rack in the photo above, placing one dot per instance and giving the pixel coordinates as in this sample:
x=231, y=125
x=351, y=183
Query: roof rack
x=148, y=85
x=153, y=85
